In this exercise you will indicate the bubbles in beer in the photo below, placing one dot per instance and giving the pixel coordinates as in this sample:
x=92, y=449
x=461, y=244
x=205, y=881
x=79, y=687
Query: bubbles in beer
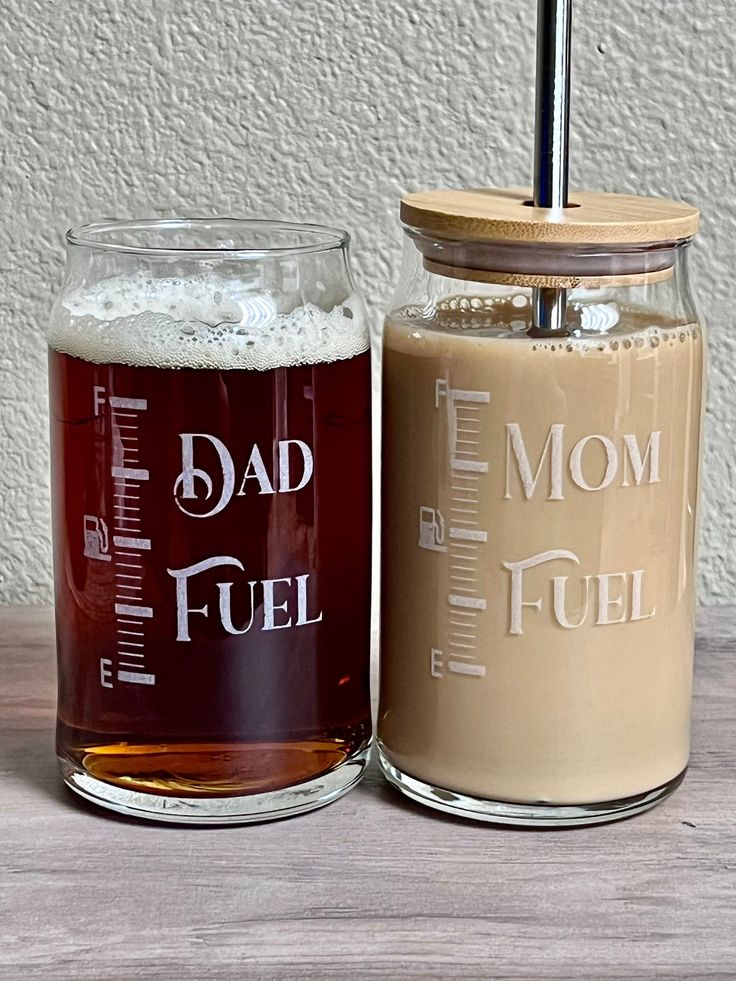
x=200, y=322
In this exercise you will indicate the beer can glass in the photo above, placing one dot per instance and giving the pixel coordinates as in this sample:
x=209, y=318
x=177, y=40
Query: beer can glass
x=210, y=401
x=540, y=500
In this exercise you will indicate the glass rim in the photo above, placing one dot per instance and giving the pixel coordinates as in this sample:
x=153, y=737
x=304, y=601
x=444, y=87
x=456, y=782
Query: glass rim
x=97, y=235
x=555, y=248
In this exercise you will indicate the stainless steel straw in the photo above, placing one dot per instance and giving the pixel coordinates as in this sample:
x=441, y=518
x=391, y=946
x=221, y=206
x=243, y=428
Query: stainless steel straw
x=551, y=140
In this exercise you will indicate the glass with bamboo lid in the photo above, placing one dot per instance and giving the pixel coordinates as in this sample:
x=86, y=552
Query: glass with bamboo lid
x=543, y=389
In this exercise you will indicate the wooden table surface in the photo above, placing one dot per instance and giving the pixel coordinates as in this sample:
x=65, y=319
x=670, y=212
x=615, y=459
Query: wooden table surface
x=369, y=887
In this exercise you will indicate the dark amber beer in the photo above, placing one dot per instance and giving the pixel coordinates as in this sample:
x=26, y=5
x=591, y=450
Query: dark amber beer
x=212, y=561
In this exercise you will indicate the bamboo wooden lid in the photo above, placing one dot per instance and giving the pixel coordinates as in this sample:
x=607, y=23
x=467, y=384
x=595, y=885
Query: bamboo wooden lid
x=503, y=215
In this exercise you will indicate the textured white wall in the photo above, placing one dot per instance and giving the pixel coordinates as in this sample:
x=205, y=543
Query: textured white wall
x=328, y=111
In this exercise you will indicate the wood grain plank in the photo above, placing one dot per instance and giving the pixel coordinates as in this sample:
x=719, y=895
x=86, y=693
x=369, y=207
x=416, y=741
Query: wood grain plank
x=370, y=887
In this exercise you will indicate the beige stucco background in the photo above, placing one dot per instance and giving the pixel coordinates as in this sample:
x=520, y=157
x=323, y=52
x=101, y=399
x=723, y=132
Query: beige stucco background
x=328, y=110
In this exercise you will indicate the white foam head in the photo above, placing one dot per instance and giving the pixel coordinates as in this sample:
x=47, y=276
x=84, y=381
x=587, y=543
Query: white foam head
x=200, y=322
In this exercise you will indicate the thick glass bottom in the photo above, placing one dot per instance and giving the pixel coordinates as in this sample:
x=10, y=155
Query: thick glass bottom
x=211, y=808
x=524, y=815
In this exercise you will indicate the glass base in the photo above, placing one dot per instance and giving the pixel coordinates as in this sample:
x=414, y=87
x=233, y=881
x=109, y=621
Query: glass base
x=244, y=809
x=524, y=815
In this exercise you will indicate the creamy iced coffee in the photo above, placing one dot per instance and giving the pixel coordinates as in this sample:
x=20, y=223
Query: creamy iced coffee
x=539, y=524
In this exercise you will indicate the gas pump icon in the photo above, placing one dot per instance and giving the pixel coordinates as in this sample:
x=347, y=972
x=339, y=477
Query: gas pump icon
x=431, y=530
x=96, y=539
